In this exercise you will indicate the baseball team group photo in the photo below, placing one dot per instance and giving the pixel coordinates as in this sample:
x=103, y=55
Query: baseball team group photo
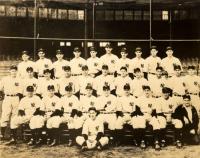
x=99, y=78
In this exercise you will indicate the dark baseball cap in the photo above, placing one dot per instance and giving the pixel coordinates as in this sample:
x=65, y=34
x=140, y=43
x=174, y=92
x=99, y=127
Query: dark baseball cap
x=77, y=49
x=50, y=87
x=59, y=51
x=191, y=67
x=92, y=49
x=153, y=47
x=13, y=67
x=25, y=52
x=47, y=71
x=68, y=88
x=146, y=87
x=186, y=96
x=84, y=67
x=168, y=48
x=108, y=45
x=89, y=86
x=30, y=89
x=123, y=49
x=166, y=90
x=127, y=86
x=138, y=49
x=105, y=67
x=29, y=69
x=66, y=68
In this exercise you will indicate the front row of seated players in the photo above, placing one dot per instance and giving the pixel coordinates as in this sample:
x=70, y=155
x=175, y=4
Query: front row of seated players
x=116, y=112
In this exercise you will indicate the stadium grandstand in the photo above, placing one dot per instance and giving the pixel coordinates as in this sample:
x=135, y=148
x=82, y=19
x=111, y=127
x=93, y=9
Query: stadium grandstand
x=64, y=24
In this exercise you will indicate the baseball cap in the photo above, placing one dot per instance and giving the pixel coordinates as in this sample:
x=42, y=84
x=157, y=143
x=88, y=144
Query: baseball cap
x=146, y=87
x=138, y=49
x=68, y=88
x=177, y=67
x=127, y=86
x=166, y=90
x=46, y=71
x=30, y=89
x=123, y=68
x=106, y=87
x=105, y=67
x=29, y=69
x=89, y=86
x=59, y=51
x=77, y=49
x=108, y=45
x=191, y=67
x=84, y=67
x=159, y=68
x=168, y=48
x=123, y=49
x=50, y=87
x=13, y=67
x=92, y=49
x=186, y=96
x=66, y=68
x=136, y=70
x=25, y=52
x=153, y=47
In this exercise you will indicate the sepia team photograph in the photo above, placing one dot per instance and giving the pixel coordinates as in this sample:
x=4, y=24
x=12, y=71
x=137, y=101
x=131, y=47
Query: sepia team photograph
x=99, y=78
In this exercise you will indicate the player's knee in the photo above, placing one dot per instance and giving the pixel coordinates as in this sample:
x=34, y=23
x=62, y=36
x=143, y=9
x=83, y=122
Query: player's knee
x=177, y=123
x=104, y=141
x=80, y=140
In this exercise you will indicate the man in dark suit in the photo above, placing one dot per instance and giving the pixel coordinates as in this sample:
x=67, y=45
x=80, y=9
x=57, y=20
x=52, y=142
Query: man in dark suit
x=188, y=115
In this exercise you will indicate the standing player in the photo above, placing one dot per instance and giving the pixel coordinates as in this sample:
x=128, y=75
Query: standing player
x=30, y=80
x=66, y=80
x=152, y=62
x=77, y=62
x=12, y=88
x=178, y=84
x=42, y=63
x=22, y=66
x=85, y=79
x=122, y=80
x=192, y=82
x=109, y=59
x=92, y=133
x=93, y=63
x=124, y=62
x=138, y=61
x=170, y=61
x=44, y=83
x=59, y=64
x=137, y=83
x=103, y=79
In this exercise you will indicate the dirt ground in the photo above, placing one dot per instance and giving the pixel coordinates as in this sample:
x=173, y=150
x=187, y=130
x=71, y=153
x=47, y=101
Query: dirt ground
x=62, y=151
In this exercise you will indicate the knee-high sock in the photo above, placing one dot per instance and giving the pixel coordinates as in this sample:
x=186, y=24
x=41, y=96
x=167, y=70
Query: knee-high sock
x=118, y=134
x=162, y=134
x=3, y=131
x=14, y=134
x=178, y=134
x=156, y=135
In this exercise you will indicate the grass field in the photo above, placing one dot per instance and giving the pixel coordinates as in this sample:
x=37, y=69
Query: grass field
x=62, y=151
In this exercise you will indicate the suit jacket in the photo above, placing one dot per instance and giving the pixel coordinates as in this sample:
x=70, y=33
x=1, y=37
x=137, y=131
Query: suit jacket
x=180, y=112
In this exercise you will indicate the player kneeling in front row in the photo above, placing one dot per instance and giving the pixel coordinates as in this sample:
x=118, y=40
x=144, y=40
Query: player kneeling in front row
x=30, y=110
x=92, y=133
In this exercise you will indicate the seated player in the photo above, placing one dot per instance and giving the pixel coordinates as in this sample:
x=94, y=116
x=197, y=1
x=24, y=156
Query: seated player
x=141, y=116
x=92, y=133
x=53, y=115
x=72, y=114
x=187, y=113
x=30, y=110
x=125, y=107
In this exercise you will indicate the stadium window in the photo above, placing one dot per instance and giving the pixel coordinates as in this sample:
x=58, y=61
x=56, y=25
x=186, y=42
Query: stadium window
x=165, y=15
x=119, y=44
x=52, y=13
x=183, y=14
x=146, y=15
x=90, y=44
x=62, y=44
x=103, y=44
x=118, y=15
x=157, y=15
x=109, y=15
x=43, y=12
x=128, y=15
x=2, y=10
x=73, y=14
x=62, y=14
x=80, y=15
x=31, y=12
x=137, y=15
x=21, y=11
x=176, y=15
x=100, y=15
x=68, y=44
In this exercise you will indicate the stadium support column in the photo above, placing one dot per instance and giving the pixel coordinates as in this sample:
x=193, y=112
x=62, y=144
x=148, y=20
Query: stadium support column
x=35, y=29
x=85, y=31
x=150, y=22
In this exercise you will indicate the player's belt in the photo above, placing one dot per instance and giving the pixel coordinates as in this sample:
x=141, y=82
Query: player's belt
x=156, y=96
x=193, y=93
x=111, y=73
x=40, y=75
x=152, y=73
x=178, y=95
x=82, y=94
x=11, y=95
x=76, y=74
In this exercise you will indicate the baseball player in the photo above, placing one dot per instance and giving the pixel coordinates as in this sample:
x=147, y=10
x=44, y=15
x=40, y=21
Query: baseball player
x=192, y=83
x=138, y=61
x=45, y=82
x=170, y=61
x=30, y=110
x=103, y=79
x=67, y=79
x=30, y=80
x=125, y=106
x=124, y=62
x=107, y=105
x=152, y=62
x=77, y=62
x=12, y=88
x=42, y=63
x=92, y=133
x=122, y=80
x=142, y=115
x=178, y=83
x=137, y=83
x=88, y=100
x=85, y=79
x=22, y=66
x=72, y=114
x=52, y=115
x=166, y=79
x=109, y=59
x=167, y=105
x=156, y=83
x=59, y=64
x=93, y=63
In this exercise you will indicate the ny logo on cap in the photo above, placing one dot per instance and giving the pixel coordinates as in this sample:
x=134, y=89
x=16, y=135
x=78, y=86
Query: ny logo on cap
x=95, y=64
x=70, y=104
x=131, y=104
x=46, y=65
x=33, y=104
x=97, y=128
x=53, y=103
x=127, y=65
x=92, y=103
x=80, y=65
x=16, y=84
x=112, y=61
x=170, y=106
x=149, y=105
x=108, y=102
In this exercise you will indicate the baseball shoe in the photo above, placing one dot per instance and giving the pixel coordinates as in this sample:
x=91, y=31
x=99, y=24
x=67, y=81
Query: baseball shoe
x=179, y=144
x=157, y=146
x=31, y=142
x=54, y=143
x=143, y=145
x=11, y=142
